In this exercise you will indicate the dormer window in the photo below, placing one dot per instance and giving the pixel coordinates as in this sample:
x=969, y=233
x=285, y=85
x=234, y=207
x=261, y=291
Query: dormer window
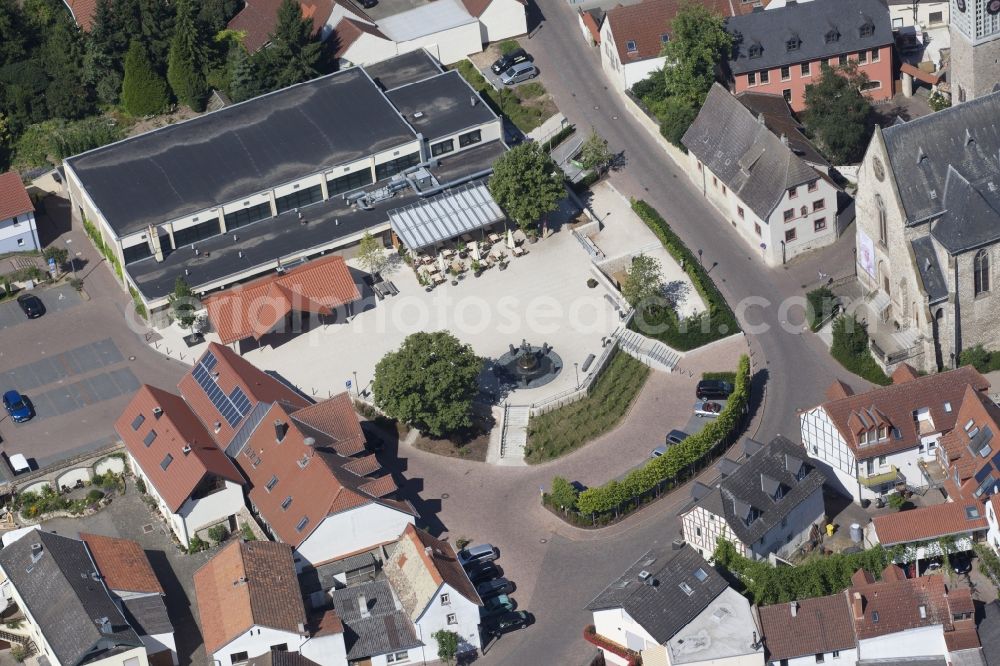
x=883, y=433
x=755, y=50
x=793, y=44
x=832, y=36
x=631, y=47
x=867, y=30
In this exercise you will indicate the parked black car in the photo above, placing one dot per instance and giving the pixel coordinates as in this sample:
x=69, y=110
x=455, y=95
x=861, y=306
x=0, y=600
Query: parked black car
x=713, y=389
x=368, y=4
x=492, y=588
x=515, y=57
x=499, y=624
x=676, y=437
x=961, y=562
x=31, y=305
x=480, y=573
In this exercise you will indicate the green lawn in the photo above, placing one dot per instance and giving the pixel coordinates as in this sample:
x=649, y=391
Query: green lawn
x=526, y=105
x=567, y=428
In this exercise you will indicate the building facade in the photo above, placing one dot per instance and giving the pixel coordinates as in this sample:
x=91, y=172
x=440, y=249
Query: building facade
x=781, y=51
x=869, y=443
x=18, y=230
x=775, y=202
x=224, y=209
x=766, y=503
x=975, y=48
x=928, y=234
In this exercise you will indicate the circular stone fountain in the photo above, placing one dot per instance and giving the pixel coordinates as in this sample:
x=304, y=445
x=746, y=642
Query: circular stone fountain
x=528, y=366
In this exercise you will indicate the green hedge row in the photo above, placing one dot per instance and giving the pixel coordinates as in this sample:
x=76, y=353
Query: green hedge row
x=816, y=577
x=679, y=459
x=850, y=348
x=686, y=334
x=558, y=138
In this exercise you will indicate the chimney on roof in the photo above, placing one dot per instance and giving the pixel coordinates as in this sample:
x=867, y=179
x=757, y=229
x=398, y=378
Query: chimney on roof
x=301, y=627
x=473, y=100
x=187, y=449
x=429, y=551
x=218, y=426
x=157, y=412
x=309, y=441
x=858, y=606
x=36, y=552
x=280, y=429
x=784, y=139
x=103, y=624
x=363, y=606
x=968, y=137
x=794, y=608
x=240, y=581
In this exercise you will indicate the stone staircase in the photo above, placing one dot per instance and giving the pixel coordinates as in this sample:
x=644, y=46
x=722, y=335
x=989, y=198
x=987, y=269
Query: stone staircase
x=652, y=353
x=514, y=434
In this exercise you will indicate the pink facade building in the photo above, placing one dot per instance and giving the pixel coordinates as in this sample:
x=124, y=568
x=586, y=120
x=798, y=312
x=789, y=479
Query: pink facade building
x=780, y=51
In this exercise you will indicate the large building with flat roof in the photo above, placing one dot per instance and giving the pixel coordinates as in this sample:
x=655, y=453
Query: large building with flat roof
x=287, y=176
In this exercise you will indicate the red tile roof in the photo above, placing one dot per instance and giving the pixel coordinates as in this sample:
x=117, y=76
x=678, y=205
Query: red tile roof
x=978, y=411
x=326, y=623
x=312, y=481
x=233, y=370
x=418, y=558
x=255, y=308
x=350, y=30
x=821, y=624
x=248, y=584
x=14, y=199
x=928, y=522
x=477, y=7
x=122, y=563
x=646, y=22
x=891, y=606
x=176, y=427
x=83, y=12
x=336, y=418
x=895, y=405
x=258, y=19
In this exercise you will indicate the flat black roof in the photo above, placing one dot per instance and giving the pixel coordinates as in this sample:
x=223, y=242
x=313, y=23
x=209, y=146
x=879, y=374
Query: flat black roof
x=403, y=69
x=455, y=166
x=447, y=105
x=239, y=150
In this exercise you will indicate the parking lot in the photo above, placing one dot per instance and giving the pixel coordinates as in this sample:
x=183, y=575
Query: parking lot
x=78, y=364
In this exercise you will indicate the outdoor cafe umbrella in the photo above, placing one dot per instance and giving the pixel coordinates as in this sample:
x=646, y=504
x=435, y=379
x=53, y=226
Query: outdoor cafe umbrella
x=510, y=239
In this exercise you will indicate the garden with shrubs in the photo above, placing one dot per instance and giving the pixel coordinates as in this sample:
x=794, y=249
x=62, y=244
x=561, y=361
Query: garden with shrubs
x=616, y=499
x=717, y=322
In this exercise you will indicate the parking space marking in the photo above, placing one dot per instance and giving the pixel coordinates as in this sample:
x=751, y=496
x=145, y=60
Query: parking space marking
x=84, y=393
x=56, y=299
x=126, y=381
x=65, y=364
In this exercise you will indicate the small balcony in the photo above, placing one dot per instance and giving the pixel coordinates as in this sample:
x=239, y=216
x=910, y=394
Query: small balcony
x=880, y=479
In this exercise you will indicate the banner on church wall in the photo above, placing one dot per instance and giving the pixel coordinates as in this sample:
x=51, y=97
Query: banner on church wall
x=866, y=253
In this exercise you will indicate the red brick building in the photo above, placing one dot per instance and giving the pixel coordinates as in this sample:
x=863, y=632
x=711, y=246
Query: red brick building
x=782, y=50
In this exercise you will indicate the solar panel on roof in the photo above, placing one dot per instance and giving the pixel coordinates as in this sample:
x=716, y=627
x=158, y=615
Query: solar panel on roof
x=232, y=407
x=983, y=473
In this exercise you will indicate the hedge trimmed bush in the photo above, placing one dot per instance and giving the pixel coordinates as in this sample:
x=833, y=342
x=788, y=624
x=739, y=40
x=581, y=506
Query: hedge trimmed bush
x=820, y=304
x=558, y=137
x=679, y=461
x=816, y=577
x=686, y=334
x=850, y=348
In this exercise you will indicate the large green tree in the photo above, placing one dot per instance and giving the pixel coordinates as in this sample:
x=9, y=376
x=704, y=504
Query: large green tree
x=643, y=284
x=527, y=184
x=187, y=59
x=698, y=42
x=293, y=55
x=594, y=153
x=246, y=79
x=837, y=114
x=429, y=383
x=144, y=92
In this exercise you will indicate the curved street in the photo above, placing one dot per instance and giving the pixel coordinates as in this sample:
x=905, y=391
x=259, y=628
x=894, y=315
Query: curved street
x=559, y=568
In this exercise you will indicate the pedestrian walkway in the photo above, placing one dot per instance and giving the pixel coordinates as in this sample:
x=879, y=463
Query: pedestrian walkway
x=651, y=353
x=514, y=434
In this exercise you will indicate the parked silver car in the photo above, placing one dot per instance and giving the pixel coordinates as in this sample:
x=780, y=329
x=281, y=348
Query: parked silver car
x=482, y=552
x=522, y=71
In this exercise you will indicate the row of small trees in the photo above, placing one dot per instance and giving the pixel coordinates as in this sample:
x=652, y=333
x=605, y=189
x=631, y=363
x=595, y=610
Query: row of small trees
x=678, y=461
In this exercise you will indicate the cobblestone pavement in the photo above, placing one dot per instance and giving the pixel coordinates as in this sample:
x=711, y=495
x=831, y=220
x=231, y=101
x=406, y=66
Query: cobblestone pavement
x=128, y=517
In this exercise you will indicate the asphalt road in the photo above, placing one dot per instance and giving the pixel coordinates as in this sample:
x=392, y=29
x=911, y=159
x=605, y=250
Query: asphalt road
x=575, y=565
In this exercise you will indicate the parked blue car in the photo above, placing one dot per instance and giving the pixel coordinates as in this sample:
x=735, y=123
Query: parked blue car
x=17, y=406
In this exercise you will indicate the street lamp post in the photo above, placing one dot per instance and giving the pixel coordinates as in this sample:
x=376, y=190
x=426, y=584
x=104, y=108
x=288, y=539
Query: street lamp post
x=576, y=369
x=72, y=259
x=357, y=389
x=700, y=252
